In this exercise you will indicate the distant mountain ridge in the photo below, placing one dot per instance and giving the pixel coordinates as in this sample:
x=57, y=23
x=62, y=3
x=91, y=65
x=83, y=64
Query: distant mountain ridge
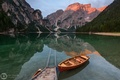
x=18, y=16
x=107, y=21
x=75, y=15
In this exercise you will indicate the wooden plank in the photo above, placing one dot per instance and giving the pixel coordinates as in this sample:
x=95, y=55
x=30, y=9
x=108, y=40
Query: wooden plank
x=48, y=74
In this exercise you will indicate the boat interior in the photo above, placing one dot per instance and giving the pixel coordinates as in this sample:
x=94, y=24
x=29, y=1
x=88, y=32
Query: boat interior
x=73, y=61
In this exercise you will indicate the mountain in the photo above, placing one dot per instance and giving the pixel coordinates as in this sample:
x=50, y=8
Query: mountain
x=52, y=17
x=25, y=18
x=5, y=21
x=107, y=21
x=73, y=16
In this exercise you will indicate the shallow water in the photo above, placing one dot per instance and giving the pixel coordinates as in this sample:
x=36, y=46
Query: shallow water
x=22, y=55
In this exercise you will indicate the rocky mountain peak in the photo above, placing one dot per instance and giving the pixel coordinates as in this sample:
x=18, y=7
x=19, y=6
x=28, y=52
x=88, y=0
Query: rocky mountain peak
x=84, y=7
x=75, y=15
x=101, y=9
x=74, y=7
x=52, y=17
x=77, y=6
x=87, y=5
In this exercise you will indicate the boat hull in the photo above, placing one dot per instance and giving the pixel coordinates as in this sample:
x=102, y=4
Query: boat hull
x=61, y=69
x=66, y=68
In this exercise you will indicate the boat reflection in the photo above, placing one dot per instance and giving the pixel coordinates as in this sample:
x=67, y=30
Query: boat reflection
x=70, y=73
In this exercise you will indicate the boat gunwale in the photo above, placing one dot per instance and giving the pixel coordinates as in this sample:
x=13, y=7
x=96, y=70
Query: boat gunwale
x=59, y=65
x=34, y=76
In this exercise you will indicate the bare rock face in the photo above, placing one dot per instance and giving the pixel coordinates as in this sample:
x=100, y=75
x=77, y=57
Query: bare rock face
x=52, y=17
x=5, y=7
x=21, y=13
x=18, y=10
x=75, y=15
x=37, y=16
x=74, y=7
x=101, y=9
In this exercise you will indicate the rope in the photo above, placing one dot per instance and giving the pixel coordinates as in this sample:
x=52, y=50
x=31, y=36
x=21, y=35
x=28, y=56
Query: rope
x=48, y=58
x=55, y=58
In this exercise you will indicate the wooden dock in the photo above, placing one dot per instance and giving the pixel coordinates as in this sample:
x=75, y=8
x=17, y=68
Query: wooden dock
x=47, y=74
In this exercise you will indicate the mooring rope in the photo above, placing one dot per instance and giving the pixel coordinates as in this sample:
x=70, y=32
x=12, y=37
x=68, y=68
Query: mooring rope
x=48, y=58
x=55, y=58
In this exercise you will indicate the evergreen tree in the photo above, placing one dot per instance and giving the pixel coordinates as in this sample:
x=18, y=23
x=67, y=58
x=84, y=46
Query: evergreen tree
x=107, y=21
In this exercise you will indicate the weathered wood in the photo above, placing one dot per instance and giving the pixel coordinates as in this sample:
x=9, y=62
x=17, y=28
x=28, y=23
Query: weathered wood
x=72, y=63
x=48, y=74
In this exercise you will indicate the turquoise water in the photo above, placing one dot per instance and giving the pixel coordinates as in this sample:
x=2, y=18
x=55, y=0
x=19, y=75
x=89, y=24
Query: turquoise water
x=22, y=55
x=107, y=46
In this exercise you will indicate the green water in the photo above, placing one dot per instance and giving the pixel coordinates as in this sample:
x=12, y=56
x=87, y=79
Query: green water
x=107, y=46
x=21, y=55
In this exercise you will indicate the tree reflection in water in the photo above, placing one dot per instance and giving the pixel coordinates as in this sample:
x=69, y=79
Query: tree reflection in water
x=22, y=55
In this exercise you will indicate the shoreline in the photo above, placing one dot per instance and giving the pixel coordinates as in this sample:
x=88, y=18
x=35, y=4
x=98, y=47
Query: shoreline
x=106, y=33
x=101, y=33
x=96, y=33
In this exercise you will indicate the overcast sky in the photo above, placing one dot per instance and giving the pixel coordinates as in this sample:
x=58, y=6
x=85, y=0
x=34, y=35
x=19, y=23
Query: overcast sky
x=50, y=6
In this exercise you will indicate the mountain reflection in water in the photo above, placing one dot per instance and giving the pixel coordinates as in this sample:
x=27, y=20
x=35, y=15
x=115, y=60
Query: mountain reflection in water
x=22, y=55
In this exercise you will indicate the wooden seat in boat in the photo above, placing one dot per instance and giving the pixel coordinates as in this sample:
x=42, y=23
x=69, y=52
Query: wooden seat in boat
x=72, y=63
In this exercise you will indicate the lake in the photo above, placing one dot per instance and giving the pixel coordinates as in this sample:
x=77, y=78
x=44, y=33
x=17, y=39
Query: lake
x=22, y=55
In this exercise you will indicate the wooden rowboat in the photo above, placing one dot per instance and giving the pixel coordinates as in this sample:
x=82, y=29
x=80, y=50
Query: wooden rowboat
x=72, y=63
x=37, y=73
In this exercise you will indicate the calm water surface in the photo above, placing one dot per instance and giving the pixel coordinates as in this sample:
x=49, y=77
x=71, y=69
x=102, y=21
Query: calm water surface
x=22, y=55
